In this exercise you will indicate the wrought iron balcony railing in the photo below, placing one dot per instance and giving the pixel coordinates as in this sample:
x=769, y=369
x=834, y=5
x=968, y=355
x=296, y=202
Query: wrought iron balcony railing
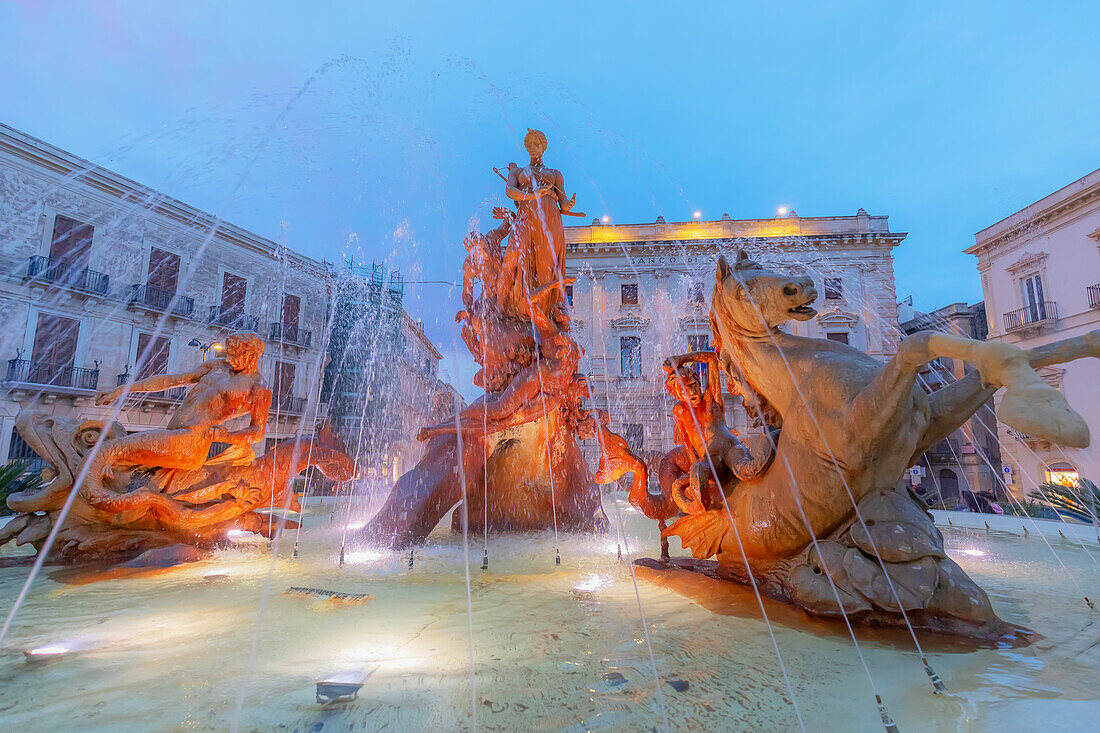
x=288, y=405
x=291, y=334
x=161, y=300
x=175, y=394
x=233, y=318
x=1094, y=296
x=66, y=274
x=1034, y=314
x=56, y=375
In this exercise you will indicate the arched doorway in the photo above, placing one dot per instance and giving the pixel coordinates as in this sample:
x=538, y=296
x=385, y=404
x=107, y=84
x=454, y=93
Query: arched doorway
x=949, y=483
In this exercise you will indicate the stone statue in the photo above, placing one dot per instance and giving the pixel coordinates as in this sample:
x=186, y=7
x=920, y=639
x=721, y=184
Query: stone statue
x=846, y=428
x=158, y=487
x=539, y=193
x=515, y=447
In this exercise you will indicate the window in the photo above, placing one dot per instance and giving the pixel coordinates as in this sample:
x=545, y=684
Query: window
x=72, y=242
x=630, y=294
x=840, y=337
x=634, y=435
x=569, y=295
x=1032, y=293
x=234, y=289
x=834, y=289
x=292, y=306
x=695, y=293
x=283, y=386
x=54, y=350
x=164, y=270
x=152, y=361
x=630, y=350
x=1063, y=474
x=700, y=342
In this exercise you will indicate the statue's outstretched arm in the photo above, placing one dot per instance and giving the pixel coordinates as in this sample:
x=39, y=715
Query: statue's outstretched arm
x=156, y=383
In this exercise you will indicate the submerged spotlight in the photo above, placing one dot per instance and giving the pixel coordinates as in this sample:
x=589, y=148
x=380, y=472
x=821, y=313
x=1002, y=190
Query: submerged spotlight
x=343, y=686
x=356, y=525
x=46, y=653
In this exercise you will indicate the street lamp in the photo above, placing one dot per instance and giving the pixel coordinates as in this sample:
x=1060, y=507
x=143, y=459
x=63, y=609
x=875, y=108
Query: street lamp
x=204, y=348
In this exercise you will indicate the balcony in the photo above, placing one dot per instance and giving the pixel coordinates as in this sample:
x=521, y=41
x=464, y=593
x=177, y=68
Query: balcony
x=287, y=405
x=1034, y=316
x=25, y=371
x=291, y=335
x=233, y=318
x=65, y=274
x=161, y=301
x=176, y=394
x=1094, y=296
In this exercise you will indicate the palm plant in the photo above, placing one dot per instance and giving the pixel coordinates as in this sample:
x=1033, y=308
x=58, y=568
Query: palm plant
x=1079, y=502
x=14, y=477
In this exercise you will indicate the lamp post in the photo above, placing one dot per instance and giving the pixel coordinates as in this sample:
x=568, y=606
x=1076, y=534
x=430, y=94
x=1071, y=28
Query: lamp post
x=205, y=348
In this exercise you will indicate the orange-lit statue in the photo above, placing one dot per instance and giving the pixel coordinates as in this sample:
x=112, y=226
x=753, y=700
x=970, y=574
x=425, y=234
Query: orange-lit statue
x=512, y=454
x=158, y=487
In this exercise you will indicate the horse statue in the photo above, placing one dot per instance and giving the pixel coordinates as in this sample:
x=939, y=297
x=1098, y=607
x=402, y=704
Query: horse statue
x=824, y=526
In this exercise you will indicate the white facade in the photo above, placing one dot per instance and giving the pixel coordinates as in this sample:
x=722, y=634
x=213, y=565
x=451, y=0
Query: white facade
x=110, y=303
x=1040, y=272
x=668, y=269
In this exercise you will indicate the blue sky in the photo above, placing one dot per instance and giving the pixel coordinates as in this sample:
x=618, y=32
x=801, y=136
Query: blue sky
x=370, y=129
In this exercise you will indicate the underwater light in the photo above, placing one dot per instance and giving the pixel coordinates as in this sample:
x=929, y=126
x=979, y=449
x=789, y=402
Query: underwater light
x=343, y=686
x=362, y=556
x=355, y=525
x=973, y=553
x=217, y=575
x=591, y=584
x=46, y=653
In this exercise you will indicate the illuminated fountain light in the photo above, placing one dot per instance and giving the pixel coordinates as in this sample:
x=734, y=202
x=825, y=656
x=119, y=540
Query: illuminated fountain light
x=47, y=653
x=216, y=575
x=363, y=557
x=244, y=536
x=590, y=584
x=352, y=526
x=343, y=686
x=973, y=552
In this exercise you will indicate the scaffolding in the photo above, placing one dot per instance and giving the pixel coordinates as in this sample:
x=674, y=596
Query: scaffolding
x=362, y=379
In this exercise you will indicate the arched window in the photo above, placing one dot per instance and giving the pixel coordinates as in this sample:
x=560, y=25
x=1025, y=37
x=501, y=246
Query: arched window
x=1062, y=473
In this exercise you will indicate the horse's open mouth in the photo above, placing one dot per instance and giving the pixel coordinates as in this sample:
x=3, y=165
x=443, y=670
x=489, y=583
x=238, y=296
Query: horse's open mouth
x=803, y=310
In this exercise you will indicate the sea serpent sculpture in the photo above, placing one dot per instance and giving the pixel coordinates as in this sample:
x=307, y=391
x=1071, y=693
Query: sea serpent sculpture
x=159, y=488
x=845, y=428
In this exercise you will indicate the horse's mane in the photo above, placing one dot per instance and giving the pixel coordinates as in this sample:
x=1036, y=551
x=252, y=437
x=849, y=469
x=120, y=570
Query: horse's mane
x=756, y=405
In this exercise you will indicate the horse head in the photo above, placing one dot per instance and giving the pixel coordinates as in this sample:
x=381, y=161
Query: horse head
x=752, y=299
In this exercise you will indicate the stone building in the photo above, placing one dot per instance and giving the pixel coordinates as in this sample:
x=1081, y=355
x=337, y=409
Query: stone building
x=383, y=377
x=102, y=278
x=643, y=291
x=1040, y=271
x=969, y=460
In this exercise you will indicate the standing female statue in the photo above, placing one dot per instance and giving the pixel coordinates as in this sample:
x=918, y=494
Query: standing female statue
x=539, y=193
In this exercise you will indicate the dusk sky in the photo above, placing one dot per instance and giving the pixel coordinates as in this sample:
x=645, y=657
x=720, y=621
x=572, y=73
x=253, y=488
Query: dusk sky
x=371, y=129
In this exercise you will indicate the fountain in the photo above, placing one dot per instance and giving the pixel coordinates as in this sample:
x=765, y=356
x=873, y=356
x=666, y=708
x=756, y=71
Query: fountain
x=792, y=531
x=517, y=443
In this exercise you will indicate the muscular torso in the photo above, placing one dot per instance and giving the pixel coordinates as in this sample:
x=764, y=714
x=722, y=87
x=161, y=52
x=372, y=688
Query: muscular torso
x=219, y=395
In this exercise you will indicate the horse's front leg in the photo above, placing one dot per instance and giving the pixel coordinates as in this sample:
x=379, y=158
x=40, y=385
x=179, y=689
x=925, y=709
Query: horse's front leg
x=955, y=404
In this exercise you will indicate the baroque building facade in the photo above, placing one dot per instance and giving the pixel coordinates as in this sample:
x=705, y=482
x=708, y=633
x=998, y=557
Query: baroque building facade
x=969, y=460
x=104, y=278
x=642, y=293
x=1040, y=272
